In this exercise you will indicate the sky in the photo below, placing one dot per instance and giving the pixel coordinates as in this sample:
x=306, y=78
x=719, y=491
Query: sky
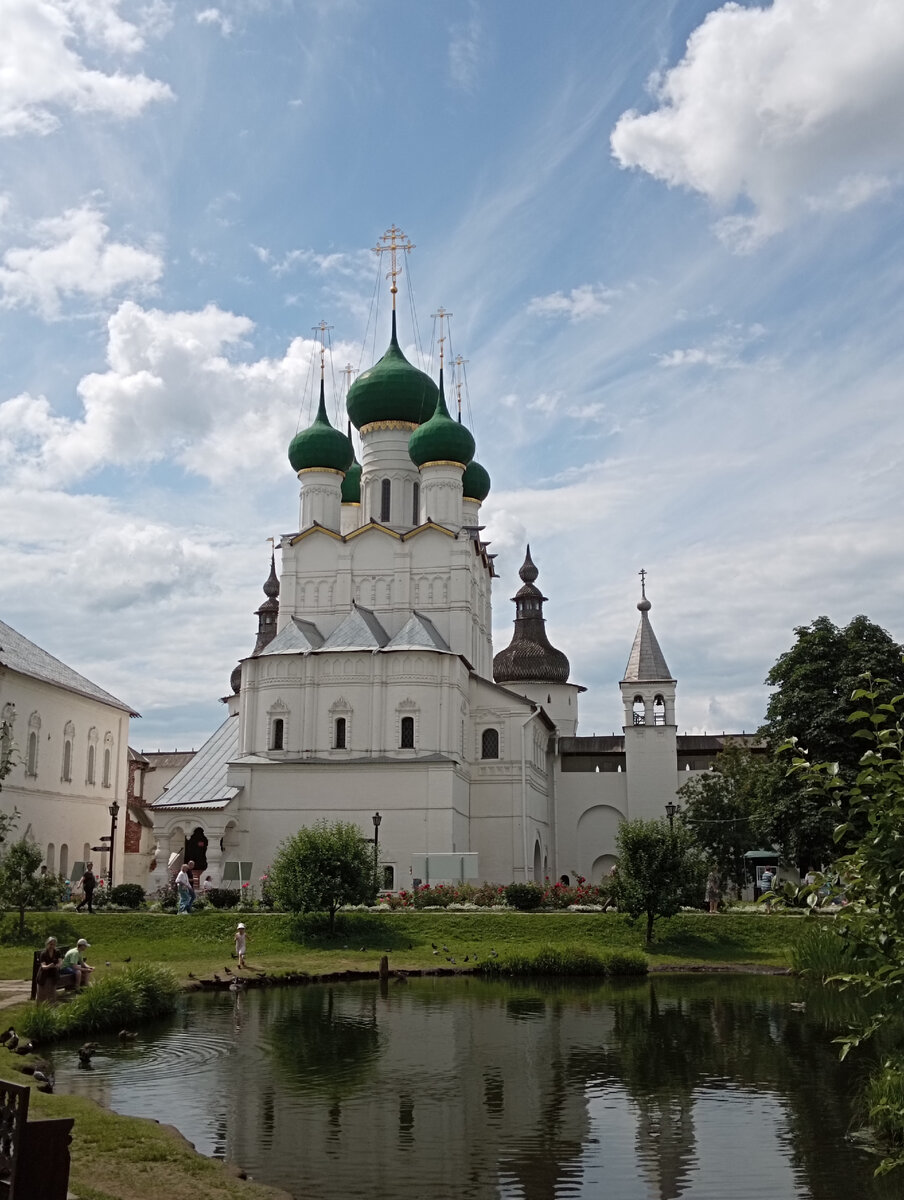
x=670, y=236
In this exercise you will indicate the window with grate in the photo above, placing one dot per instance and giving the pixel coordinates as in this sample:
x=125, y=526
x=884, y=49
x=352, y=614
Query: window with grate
x=489, y=743
x=339, y=734
x=406, y=740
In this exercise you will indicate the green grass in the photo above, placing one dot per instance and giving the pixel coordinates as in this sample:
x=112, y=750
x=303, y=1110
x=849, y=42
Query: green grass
x=280, y=943
x=565, y=961
x=117, y=1001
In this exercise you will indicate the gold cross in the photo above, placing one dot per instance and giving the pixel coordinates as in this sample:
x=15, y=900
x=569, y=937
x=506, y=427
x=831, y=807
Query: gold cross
x=443, y=316
x=394, y=240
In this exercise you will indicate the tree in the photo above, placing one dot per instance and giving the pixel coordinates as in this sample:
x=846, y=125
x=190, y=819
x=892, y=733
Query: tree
x=323, y=867
x=656, y=866
x=7, y=762
x=815, y=680
x=721, y=808
x=20, y=886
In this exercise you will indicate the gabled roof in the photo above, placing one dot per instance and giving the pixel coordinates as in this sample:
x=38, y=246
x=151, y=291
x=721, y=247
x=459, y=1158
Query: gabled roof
x=360, y=630
x=19, y=654
x=646, y=662
x=298, y=637
x=202, y=782
x=418, y=633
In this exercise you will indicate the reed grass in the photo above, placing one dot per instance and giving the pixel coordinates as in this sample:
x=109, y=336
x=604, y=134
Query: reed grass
x=118, y=1001
x=821, y=952
x=567, y=961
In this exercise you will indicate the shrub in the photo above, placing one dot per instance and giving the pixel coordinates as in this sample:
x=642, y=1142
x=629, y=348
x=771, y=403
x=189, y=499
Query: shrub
x=883, y=1098
x=820, y=951
x=568, y=960
x=525, y=897
x=128, y=895
x=137, y=994
x=223, y=897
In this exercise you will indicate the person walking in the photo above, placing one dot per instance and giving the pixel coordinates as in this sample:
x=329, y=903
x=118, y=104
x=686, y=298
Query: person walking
x=713, y=890
x=240, y=944
x=183, y=887
x=86, y=885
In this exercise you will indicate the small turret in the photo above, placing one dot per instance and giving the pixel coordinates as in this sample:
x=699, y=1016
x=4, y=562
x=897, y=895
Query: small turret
x=266, y=622
x=530, y=656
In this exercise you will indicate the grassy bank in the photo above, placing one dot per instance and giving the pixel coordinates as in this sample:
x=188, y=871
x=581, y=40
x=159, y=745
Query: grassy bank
x=202, y=944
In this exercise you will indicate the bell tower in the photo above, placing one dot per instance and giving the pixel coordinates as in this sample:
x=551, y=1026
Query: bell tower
x=648, y=695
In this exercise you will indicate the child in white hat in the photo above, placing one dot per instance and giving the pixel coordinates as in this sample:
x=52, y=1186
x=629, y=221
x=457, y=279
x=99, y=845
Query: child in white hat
x=240, y=943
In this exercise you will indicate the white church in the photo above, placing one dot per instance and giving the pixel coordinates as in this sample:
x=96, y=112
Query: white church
x=373, y=694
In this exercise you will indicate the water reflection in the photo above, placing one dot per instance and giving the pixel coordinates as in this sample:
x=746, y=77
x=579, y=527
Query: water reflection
x=686, y=1087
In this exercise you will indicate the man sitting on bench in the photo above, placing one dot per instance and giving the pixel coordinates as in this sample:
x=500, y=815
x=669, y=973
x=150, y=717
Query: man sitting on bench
x=74, y=963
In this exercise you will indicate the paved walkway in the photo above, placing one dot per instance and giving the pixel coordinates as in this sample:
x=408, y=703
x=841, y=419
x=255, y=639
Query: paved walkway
x=14, y=991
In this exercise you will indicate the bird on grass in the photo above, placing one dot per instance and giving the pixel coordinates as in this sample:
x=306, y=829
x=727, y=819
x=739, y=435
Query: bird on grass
x=191, y=975
x=129, y=959
x=228, y=970
x=216, y=978
x=446, y=950
x=25, y=1048
x=493, y=954
x=42, y=1078
x=436, y=952
x=363, y=949
x=13, y=1040
x=467, y=958
x=6, y=1035
x=433, y=944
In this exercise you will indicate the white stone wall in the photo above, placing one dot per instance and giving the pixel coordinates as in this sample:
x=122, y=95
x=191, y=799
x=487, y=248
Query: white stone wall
x=62, y=815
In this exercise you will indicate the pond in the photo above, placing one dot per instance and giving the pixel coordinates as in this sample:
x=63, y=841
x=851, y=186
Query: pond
x=681, y=1086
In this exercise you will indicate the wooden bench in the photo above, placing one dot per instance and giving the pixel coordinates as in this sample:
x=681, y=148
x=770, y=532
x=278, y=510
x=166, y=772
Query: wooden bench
x=64, y=984
x=34, y=1155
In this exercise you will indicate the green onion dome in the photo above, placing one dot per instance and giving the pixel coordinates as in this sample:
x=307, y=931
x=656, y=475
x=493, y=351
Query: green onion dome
x=391, y=390
x=441, y=439
x=475, y=482
x=321, y=446
x=351, y=485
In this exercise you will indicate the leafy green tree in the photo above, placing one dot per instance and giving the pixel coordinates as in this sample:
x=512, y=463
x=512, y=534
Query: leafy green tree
x=871, y=878
x=322, y=867
x=21, y=887
x=656, y=868
x=722, y=807
x=814, y=681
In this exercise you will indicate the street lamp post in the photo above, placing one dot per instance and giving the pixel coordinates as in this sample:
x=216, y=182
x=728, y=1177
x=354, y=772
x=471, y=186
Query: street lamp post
x=114, y=813
x=670, y=811
x=376, y=820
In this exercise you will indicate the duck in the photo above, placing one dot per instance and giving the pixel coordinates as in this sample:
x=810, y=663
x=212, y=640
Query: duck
x=25, y=1048
x=6, y=1035
x=125, y=1035
x=13, y=1040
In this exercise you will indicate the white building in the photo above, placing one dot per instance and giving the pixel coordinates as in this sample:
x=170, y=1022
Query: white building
x=373, y=686
x=70, y=762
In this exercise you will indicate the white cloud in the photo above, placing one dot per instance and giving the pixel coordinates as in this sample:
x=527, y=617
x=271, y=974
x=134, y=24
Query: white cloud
x=213, y=16
x=43, y=67
x=581, y=303
x=172, y=392
x=73, y=257
x=466, y=51
x=725, y=350
x=352, y=266
x=777, y=111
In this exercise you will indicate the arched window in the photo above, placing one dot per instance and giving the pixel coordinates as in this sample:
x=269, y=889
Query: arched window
x=64, y=860
x=90, y=774
x=640, y=711
x=406, y=736
x=489, y=743
x=658, y=710
x=107, y=761
x=277, y=732
x=416, y=504
x=50, y=857
x=67, y=761
x=339, y=734
x=385, y=499
x=31, y=758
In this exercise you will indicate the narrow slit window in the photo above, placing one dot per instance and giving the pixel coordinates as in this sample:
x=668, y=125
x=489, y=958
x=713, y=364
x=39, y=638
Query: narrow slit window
x=339, y=734
x=385, y=499
x=91, y=752
x=406, y=740
x=416, y=504
x=107, y=761
x=32, y=757
x=278, y=734
x=67, y=761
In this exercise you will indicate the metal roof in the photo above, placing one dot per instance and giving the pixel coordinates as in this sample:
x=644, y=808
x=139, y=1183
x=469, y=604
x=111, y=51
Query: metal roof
x=646, y=662
x=360, y=630
x=202, y=782
x=298, y=637
x=19, y=654
x=418, y=633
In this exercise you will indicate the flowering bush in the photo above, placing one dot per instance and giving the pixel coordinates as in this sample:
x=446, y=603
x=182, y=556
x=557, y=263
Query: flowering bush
x=523, y=896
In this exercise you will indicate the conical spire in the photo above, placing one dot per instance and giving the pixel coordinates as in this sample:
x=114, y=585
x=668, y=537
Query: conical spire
x=530, y=656
x=266, y=620
x=646, y=662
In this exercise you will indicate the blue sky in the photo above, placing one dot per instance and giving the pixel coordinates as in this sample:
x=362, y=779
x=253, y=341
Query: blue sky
x=670, y=236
